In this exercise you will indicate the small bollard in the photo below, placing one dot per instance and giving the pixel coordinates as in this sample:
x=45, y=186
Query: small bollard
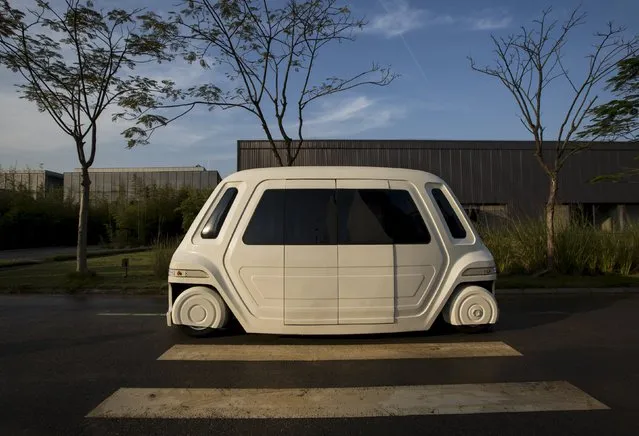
x=125, y=265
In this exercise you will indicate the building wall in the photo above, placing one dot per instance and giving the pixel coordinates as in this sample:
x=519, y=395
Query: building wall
x=32, y=180
x=108, y=183
x=504, y=174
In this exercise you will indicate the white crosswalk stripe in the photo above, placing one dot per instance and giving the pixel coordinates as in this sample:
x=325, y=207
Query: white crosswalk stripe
x=344, y=402
x=338, y=352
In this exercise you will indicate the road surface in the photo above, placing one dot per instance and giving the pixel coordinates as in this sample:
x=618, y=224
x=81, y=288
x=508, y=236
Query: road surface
x=100, y=365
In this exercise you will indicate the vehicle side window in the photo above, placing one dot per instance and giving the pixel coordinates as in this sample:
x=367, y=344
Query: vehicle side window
x=266, y=226
x=213, y=227
x=379, y=216
x=361, y=217
x=404, y=219
x=452, y=220
x=310, y=217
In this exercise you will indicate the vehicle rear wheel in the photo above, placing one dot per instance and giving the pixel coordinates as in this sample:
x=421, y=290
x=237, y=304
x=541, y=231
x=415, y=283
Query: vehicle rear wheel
x=195, y=331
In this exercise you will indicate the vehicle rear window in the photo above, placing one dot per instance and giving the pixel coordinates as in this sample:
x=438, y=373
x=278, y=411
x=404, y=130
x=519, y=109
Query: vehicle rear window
x=266, y=226
x=213, y=227
x=452, y=220
x=293, y=217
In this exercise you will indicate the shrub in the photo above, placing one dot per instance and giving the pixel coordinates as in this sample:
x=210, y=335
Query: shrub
x=41, y=219
x=575, y=249
x=520, y=247
x=33, y=221
x=163, y=250
x=191, y=205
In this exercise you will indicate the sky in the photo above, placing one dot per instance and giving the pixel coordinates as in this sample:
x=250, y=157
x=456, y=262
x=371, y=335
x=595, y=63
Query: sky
x=436, y=96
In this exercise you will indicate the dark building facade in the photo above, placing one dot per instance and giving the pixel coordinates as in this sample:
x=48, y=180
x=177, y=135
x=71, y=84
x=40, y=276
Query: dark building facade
x=110, y=183
x=491, y=178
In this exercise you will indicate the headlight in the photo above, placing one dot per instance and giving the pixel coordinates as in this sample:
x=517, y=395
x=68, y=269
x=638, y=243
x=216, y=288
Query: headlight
x=485, y=271
x=187, y=273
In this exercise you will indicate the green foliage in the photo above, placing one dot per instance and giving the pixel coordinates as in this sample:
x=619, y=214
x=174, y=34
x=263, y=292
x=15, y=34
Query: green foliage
x=619, y=117
x=581, y=249
x=107, y=275
x=31, y=221
x=148, y=214
x=163, y=250
x=518, y=246
x=38, y=219
x=191, y=205
x=74, y=61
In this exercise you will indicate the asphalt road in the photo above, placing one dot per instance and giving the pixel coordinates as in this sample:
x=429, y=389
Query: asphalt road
x=61, y=357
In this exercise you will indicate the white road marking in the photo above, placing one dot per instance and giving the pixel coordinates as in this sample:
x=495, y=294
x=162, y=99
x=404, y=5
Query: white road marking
x=550, y=312
x=345, y=402
x=129, y=314
x=338, y=352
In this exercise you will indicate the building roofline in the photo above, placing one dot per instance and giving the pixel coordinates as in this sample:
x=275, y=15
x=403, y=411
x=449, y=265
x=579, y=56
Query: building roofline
x=473, y=144
x=145, y=169
x=34, y=171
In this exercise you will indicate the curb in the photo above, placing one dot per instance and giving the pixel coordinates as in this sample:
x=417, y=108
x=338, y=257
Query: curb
x=567, y=291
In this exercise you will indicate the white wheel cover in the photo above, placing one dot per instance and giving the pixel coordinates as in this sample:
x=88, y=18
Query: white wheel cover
x=472, y=305
x=200, y=307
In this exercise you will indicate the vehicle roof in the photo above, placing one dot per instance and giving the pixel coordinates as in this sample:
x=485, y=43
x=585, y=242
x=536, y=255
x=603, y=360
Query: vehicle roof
x=339, y=172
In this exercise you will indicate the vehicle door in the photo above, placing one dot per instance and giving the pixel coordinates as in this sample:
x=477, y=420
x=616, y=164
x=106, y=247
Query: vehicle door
x=365, y=253
x=420, y=255
x=310, y=253
x=255, y=257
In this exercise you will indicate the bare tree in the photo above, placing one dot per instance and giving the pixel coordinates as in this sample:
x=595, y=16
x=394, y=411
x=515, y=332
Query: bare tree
x=527, y=63
x=269, y=54
x=71, y=63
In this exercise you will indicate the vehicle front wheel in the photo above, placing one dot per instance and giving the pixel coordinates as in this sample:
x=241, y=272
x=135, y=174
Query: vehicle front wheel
x=473, y=329
x=199, y=311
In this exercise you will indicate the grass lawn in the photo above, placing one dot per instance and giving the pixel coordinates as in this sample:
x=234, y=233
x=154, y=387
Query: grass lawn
x=62, y=257
x=54, y=277
x=563, y=281
x=59, y=276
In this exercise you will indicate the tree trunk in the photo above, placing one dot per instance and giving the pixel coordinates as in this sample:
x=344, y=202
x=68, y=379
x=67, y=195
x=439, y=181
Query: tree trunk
x=550, y=223
x=289, y=155
x=81, y=255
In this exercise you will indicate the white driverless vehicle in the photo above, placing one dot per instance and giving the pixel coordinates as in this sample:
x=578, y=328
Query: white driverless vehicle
x=331, y=250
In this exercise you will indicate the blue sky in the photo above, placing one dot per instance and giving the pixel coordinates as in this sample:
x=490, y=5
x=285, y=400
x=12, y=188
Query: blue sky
x=437, y=96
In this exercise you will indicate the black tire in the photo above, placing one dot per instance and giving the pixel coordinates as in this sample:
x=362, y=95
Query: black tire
x=474, y=329
x=196, y=332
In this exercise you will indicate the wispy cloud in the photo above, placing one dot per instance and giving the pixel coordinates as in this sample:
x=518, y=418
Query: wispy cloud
x=350, y=116
x=489, y=19
x=347, y=111
x=400, y=17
